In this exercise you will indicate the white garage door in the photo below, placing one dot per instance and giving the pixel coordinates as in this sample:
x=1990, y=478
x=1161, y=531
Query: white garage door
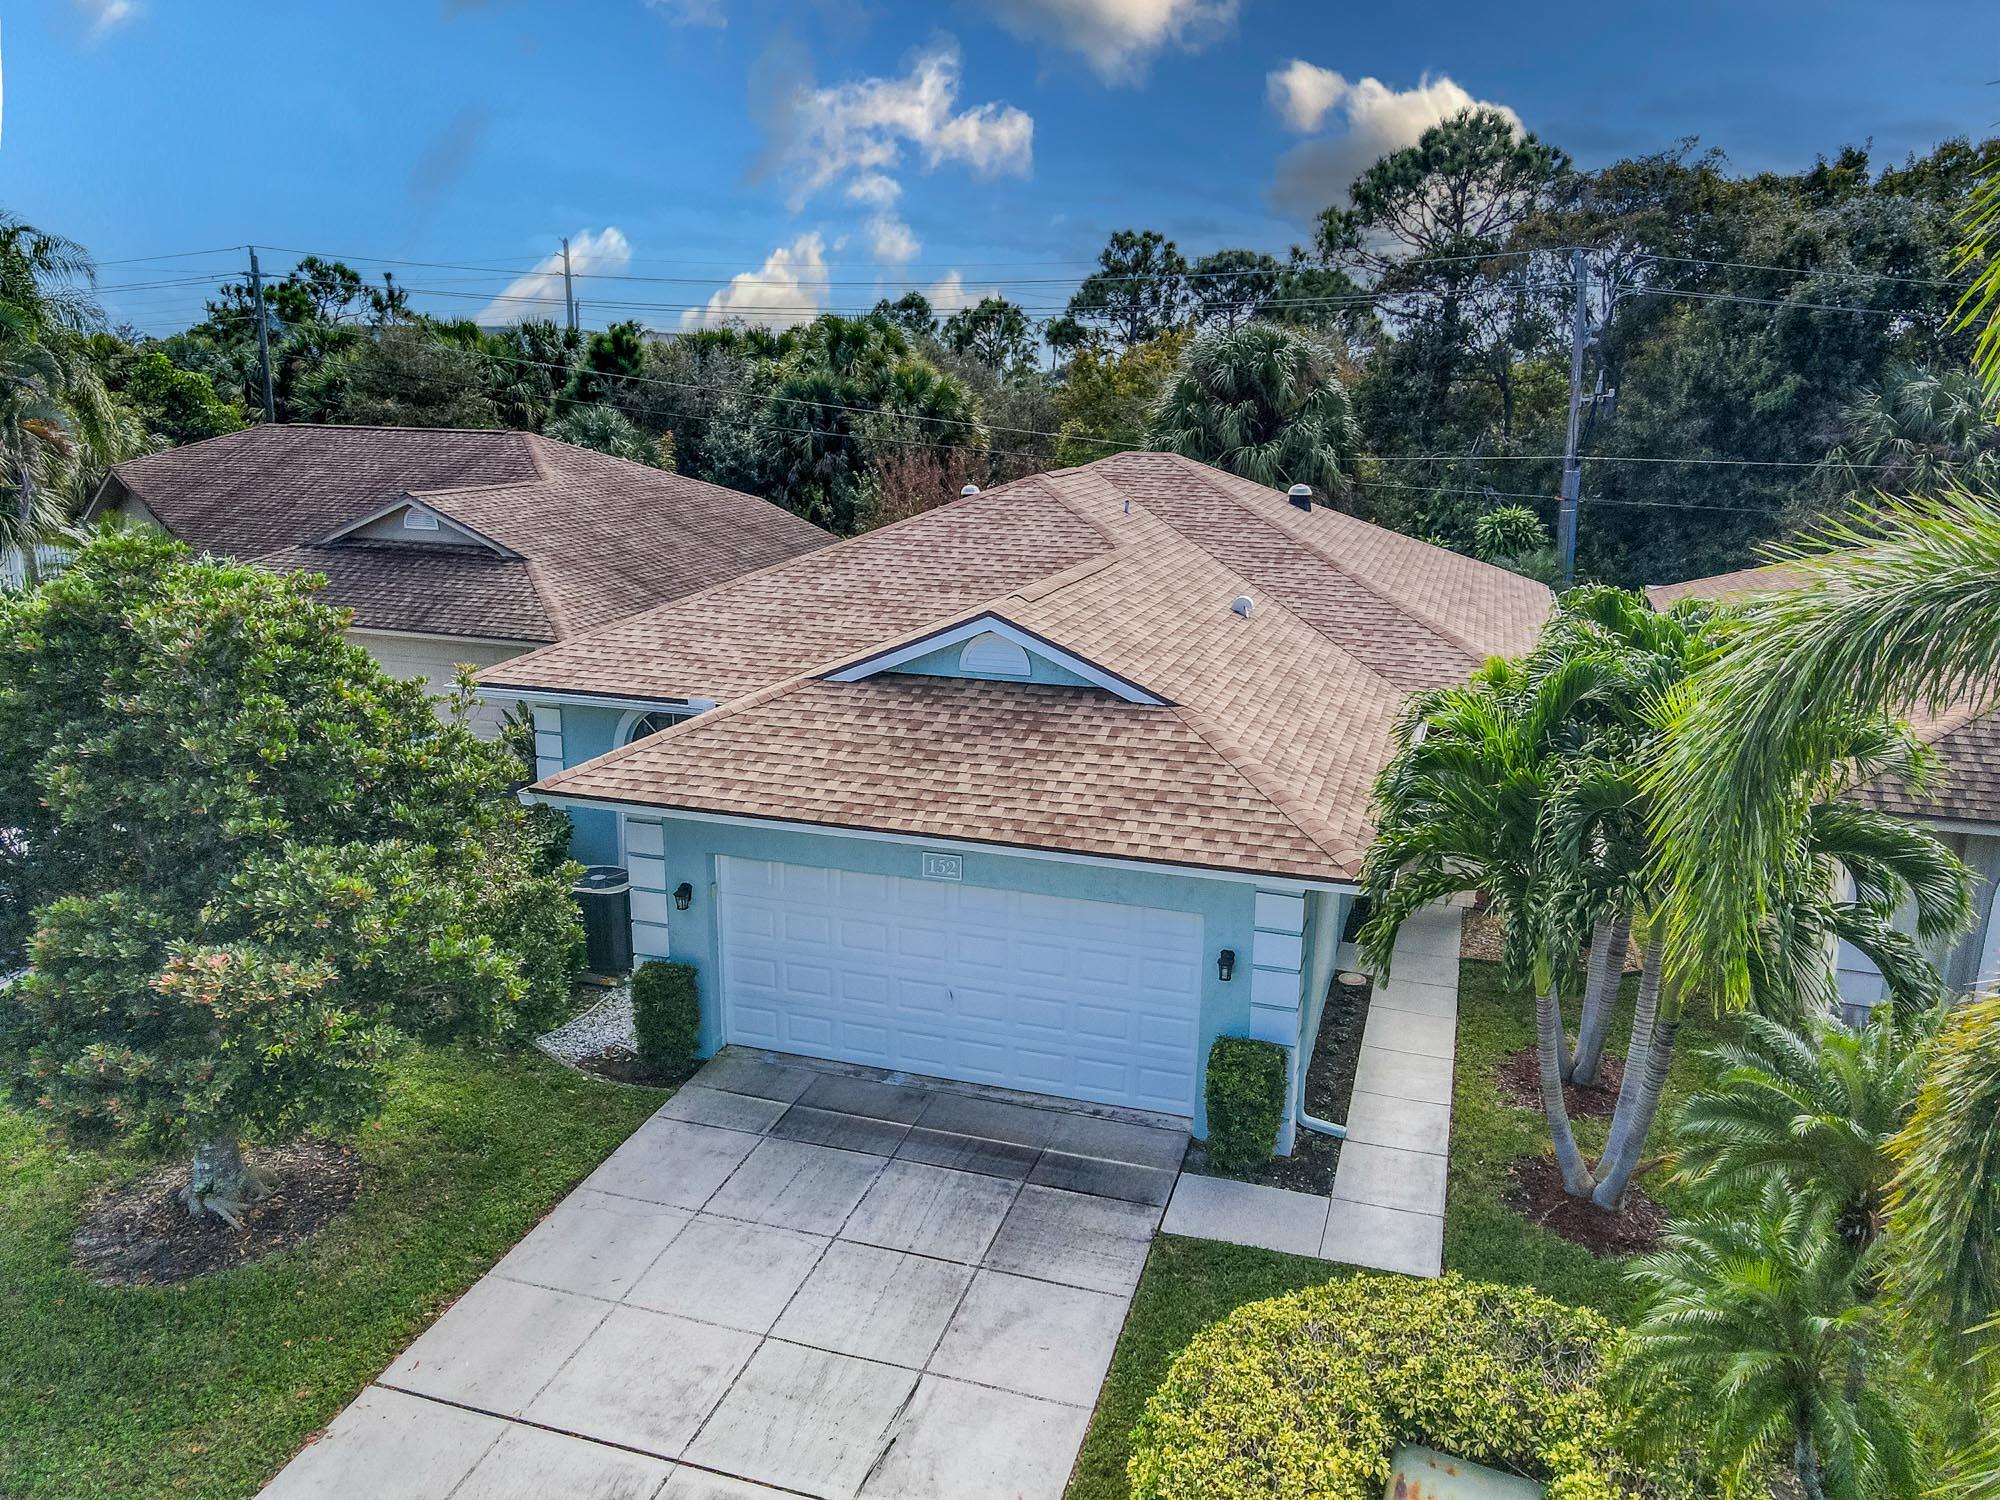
x=1087, y=999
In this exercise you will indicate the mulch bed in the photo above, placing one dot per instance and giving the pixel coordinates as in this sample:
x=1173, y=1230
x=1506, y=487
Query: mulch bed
x=140, y=1234
x=1519, y=1078
x=1329, y=1088
x=622, y=1065
x=1535, y=1192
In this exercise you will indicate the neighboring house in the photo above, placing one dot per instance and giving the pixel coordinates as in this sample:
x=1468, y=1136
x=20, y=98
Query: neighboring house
x=449, y=545
x=1046, y=788
x=49, y=560
x=1962, y=808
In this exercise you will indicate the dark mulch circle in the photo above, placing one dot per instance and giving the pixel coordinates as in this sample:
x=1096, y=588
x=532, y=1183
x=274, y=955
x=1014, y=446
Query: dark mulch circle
x=140, y=1234
x=623, y=1065
x=1535, y=1192
x=1519, y=1077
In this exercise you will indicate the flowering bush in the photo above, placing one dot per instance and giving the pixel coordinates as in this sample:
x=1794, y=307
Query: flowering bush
x=1306, y=1396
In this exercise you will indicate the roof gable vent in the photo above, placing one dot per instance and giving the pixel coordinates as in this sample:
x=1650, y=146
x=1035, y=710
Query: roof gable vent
x=1300, y=495
x=994, y=655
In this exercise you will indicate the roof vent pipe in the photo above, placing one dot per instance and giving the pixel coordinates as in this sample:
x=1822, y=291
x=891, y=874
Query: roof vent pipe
x=1300, y=495
x=970, y=489
x=1243, y=605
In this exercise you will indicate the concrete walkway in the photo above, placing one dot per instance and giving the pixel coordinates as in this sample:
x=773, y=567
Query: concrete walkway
x=792, y=1280
x=1386, y=1210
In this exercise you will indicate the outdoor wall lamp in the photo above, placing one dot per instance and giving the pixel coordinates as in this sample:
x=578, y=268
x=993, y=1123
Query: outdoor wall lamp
x=1225, y=964
x=683, y=896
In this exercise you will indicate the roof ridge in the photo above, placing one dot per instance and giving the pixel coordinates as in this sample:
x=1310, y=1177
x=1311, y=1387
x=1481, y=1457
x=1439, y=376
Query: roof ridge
x=1395, y=601
x=1300, y=814
x=552, y=605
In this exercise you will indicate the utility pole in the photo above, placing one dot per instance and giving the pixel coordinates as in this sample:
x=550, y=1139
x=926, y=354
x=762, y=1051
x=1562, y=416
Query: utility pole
x=1572, y=480
x=569, y=291
x=263, y=336
x=1573, y=471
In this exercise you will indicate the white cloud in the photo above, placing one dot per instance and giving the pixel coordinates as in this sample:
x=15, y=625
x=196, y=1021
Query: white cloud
x=890, y=239
x=106, y=16
x=861, y=131
x=949, y=294
x=1303, y=92
x=1118, y=38
x=539, y=294
x=1374, y=121
x=789, y=288
x=691, y=12
x=875, y=189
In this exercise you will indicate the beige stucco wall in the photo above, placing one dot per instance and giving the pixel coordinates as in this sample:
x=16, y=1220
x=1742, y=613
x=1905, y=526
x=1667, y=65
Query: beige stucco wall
x=433, y=660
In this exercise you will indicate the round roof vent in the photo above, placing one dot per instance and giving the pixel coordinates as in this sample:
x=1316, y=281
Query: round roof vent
x=1300, y=495
x=970, y=489
x=1242, y=605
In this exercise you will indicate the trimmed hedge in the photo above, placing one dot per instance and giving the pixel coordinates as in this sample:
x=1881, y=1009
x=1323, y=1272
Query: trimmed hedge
x=1246, y=1101
x=1307, y=1396
x=666, y=1015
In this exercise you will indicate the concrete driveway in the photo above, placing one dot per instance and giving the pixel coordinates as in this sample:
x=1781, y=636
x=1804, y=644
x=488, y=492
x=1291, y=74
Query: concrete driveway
x=794, y=1279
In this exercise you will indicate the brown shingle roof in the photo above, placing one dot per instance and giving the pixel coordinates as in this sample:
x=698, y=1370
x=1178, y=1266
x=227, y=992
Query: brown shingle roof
x=1263, y=761
x=597, y=537
x=1965, y=736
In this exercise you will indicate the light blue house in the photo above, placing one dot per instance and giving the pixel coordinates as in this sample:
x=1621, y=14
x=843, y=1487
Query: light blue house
x=1047, y=788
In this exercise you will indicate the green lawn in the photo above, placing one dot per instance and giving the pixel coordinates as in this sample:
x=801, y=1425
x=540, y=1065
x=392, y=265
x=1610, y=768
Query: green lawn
x=206, y=1389
x=1190, y=1284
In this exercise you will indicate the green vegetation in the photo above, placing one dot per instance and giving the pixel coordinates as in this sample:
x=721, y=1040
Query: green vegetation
x=666, y=1016
x=1308, y=1395
x=200, y=1392
x=240, y=859
x=1246, y=1101
x=1188, y=1285
x=1483, y=1237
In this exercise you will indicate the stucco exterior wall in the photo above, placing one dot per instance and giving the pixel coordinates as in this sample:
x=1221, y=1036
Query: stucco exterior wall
x=689, y=850
x=433, y=660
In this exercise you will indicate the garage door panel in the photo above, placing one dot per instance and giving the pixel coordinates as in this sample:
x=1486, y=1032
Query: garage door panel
x=1083, y=998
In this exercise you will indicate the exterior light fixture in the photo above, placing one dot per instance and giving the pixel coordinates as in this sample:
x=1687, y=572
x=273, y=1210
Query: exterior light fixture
x=683, y=896
x=1225, y=964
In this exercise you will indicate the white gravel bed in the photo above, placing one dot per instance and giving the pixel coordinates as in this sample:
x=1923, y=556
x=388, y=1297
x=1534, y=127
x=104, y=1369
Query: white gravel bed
x=606, y=1024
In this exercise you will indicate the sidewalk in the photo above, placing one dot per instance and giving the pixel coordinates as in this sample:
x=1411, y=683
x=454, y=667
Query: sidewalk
x=1386, y=1210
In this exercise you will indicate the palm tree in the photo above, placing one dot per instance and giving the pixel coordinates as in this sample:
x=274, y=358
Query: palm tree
x=1979, y=253
x=1461, y=807
x=1264, y=402
x=1753, y=1344
x=1903, y=613
x=1918, y=432
x=1813, y=1110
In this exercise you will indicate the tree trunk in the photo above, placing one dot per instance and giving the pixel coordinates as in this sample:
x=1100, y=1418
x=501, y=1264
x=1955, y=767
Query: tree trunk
x=1805, y=1463
x=1615, y=1171
x=1577, y=1181
x=1608, y=944
x=1645, y=1016
x=220, y=1182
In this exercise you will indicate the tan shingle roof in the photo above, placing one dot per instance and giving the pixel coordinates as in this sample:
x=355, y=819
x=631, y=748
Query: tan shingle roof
x=1263, y=761
x=1965, y=736
x=597, y=537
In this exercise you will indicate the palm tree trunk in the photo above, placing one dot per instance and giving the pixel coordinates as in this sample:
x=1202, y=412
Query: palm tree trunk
x=1577, y=1181
x=31, y=573
x=1608, y=944
x=1645, y=1015
x=1805, y=1464
x=1617, y=1170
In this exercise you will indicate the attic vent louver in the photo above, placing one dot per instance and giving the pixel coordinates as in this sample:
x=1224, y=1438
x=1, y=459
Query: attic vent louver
x=1243, y=605
x=1301, y=495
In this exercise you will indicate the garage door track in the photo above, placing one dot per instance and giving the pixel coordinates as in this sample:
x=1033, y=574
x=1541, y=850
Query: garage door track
x=794, y=1279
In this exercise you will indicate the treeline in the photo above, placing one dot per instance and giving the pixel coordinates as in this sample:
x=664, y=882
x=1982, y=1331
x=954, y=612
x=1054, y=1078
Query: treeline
x=1760, y=348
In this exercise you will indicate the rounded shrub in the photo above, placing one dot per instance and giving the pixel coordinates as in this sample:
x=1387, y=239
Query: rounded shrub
x=1307, y=1396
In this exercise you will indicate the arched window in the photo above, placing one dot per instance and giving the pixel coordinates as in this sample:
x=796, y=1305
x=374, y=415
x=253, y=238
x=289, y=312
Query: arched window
x=993, y=655
x=638, y=725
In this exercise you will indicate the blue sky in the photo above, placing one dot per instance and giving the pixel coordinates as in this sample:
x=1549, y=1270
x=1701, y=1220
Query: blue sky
x=832, y=151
